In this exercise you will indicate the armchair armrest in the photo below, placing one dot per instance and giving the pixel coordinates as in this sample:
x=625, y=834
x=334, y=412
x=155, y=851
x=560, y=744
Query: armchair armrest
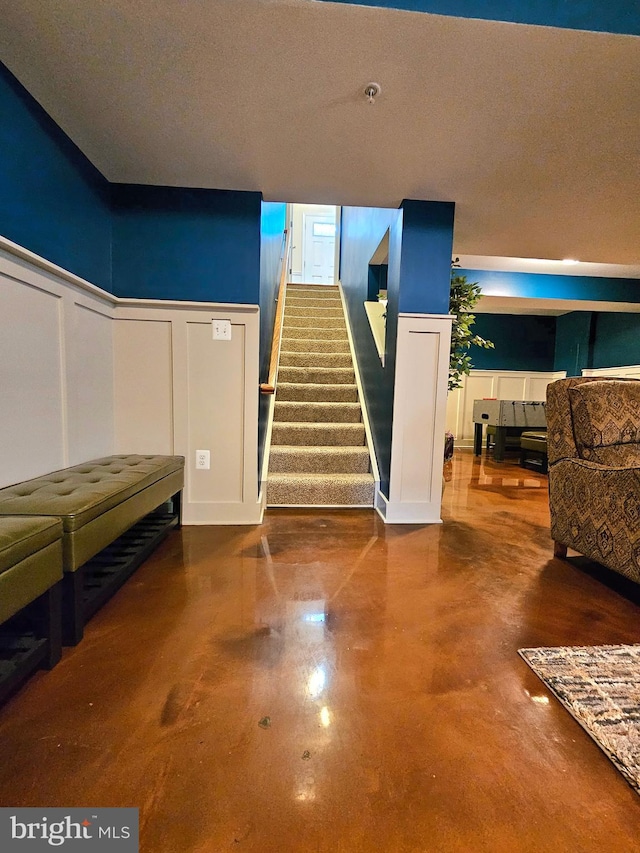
x=595, y=509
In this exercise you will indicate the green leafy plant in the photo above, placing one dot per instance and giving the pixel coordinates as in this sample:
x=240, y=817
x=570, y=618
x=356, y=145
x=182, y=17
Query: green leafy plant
x=463, y=297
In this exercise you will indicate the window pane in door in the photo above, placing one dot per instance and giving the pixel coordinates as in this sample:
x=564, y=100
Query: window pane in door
x=324, y=229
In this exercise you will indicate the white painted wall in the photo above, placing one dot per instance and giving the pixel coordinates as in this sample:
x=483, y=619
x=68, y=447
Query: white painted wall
x=501, y=384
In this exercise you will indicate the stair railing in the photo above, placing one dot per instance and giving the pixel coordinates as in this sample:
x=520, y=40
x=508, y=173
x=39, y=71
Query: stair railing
x=269, y=386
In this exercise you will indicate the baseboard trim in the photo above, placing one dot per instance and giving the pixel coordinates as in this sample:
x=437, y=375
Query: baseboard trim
x=394, y=512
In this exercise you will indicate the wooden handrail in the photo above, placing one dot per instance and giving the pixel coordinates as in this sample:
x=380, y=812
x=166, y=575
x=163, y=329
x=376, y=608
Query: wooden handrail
x=269, y=386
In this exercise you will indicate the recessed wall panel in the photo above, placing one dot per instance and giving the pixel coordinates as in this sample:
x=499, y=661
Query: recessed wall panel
x=89, y=346
x=31, y=388
x=216, y=383
x=143, y=387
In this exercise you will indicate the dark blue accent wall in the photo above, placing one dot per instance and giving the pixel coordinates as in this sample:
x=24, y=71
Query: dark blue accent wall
x=544, y=286
x=53, y=201
x=522, y=342
x=616, y=16
x=189, y=244
x=574, y=343
x=427, y=240
x=362, y=229
x=616, y=340
x=272, y=228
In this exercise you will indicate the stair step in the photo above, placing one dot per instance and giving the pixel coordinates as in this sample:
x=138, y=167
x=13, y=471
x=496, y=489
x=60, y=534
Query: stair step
x=316, y=375
x=291, y=412
x=319, y=291
x=312, y=304
x=313, y=392
x=313, y=319
x=318, y=460
x=320, y=490
x=315, y=359
x=315, y=332
x=319, y=311
x=314, y=345
x=318, y=434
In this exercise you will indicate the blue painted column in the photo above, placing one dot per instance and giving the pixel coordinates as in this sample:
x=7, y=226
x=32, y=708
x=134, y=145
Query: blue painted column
x=427, y=244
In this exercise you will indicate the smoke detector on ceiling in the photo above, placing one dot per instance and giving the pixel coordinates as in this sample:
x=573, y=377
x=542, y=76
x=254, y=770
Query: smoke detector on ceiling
x=371, y=91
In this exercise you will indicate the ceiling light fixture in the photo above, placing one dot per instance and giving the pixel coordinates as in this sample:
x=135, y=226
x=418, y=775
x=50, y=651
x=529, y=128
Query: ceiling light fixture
x=371, y=91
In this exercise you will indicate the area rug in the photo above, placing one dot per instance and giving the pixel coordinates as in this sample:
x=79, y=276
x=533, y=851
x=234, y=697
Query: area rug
x=600, y=687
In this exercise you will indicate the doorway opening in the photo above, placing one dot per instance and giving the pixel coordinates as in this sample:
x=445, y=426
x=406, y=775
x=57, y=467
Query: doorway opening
x=314, y=243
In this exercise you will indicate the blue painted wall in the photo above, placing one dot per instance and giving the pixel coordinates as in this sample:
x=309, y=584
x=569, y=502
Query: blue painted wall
x=616, y=340
x=543, y=286
x=616, y=16
x=273, y=220
x=190, y=244
x=522, y=342
x=574, y=342
x=52, y=199
x=362, y=229
x=427, y=242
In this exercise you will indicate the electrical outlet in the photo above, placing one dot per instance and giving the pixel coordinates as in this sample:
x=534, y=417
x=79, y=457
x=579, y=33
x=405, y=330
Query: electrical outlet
x=203, y=459
x=221, y=330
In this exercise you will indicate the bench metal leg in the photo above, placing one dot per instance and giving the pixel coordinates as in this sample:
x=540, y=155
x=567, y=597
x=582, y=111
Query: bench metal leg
x=73, y=607
x=53, y=624
x=177, y=507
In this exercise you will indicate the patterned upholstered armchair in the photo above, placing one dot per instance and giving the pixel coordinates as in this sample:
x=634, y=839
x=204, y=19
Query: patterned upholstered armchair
x=593, y=440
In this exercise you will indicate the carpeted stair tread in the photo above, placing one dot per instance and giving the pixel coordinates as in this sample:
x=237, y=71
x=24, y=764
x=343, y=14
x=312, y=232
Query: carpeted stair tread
x=320, y=290
x=320, y=489
x=314, y=321
x=299, y=345
x=318, y=460
x=309, y=305
x=315, y=434
x=317, y=375
x=315, y=332
x=317, y=393
x=303, y=412
x=315, y=359
x=319, y=311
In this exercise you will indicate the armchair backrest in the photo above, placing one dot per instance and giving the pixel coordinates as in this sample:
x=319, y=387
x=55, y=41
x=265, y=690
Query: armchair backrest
x=595, y=418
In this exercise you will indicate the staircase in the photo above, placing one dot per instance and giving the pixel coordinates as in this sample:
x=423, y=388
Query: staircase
x=318, y=452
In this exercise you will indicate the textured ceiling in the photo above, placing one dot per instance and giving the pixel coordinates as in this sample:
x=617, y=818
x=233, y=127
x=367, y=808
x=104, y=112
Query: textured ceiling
x=532, y=131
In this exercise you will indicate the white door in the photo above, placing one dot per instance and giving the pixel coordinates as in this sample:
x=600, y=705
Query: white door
x=318, y=249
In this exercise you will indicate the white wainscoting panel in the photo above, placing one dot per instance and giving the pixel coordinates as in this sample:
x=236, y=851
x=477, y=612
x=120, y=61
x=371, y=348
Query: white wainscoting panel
x=207, y=400
x=417, y=442
x=84, y=374
x=56, y=369
x=501, y=384
x=631, y=371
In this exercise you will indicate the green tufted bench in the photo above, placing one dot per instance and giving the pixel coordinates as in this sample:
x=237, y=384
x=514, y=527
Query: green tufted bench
x=114, y=511
x=30, y=594
x=533, y=450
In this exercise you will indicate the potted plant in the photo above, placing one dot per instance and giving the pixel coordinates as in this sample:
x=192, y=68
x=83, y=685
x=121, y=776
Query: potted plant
x=463, y=297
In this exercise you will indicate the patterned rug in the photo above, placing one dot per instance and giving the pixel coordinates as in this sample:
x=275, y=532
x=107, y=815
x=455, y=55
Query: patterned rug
x=600, y=687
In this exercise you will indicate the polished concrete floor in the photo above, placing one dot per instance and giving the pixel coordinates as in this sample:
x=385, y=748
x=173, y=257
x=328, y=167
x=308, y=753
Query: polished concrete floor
x=325, y=683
